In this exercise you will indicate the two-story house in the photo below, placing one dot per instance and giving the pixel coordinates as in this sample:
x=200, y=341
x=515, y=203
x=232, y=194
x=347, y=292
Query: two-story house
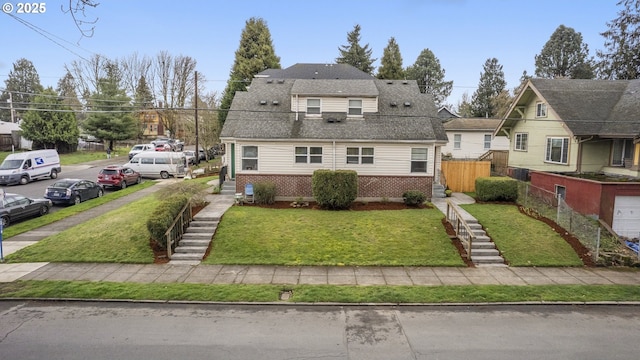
x=561, y=128
x=470, y=138
x=282, y=129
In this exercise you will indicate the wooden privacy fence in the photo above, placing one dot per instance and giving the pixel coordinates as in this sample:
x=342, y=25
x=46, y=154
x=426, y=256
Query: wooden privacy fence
x=461, y=175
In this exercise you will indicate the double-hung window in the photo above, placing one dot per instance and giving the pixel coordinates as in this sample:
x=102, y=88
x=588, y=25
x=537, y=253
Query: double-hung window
x=419, y=160
x=457, y=141
x=557, y=150
x=521, y=142
x=355, y=107
x=487, y=141
x=313, y=107
x=249, y=157
x=308, y=155
x=359, y=155
x=541, y=109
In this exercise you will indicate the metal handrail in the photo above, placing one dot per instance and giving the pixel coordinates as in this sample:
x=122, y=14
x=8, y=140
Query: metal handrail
x=462, y=229
x=177, y=228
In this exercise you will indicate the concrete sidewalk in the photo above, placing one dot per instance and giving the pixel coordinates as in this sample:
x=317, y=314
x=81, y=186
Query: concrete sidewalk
x=293, y=275
x=318, y=275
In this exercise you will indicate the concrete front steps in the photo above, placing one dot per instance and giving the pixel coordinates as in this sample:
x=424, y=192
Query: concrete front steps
x=483, y=250
x=195, y=241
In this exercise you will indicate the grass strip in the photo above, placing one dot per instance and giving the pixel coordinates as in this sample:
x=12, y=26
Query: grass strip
x=319, y=293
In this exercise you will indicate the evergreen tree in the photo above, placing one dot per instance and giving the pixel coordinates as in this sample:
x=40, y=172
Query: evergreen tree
x=23, y=82
x=491, y=84
x=50, y=123
x=255, y=54
x=564, y=56
x=391, y=62
x=142, y=101
x=430, y=76
x=354, y=54
x=621, y=59
x=111, y=118
x=464, y=106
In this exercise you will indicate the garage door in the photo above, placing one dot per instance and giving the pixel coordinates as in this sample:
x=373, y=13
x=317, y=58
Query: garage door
x=626, y=216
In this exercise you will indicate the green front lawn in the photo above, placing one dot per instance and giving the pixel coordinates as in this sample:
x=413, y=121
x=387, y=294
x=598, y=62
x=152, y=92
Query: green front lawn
x=522, y=240
x=253, y=235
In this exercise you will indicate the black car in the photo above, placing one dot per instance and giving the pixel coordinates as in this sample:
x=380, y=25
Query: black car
x=16, y=207
x=73, y=191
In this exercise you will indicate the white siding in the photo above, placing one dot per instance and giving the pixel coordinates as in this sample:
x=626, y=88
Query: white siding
x=279, y=158
x=334, y=104
x=472, y=144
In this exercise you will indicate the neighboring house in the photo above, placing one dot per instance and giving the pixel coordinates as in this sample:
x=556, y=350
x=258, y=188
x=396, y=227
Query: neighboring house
x=282, y=129
x=150, y=123
x=10, y=137
x=558, y=128
x=470, y=138
x=445, y=113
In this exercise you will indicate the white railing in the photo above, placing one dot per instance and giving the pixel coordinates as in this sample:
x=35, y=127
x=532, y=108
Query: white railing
x=462, y=229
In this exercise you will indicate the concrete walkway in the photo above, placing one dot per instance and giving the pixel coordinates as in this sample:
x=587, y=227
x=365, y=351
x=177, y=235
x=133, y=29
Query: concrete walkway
x=291, y=275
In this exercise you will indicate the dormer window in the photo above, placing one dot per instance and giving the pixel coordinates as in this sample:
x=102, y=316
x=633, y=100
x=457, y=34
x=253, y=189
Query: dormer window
x=541, y=109
x=355, y=108
x=313, y=107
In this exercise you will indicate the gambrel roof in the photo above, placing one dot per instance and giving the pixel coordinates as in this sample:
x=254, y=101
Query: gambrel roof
x=604, y=108
x=264, y=112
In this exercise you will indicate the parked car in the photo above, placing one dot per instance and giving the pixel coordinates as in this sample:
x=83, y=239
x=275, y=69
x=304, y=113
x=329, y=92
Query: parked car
x=139, y=148
x=16, y=207
x=190, y=155
x=73, y=191
x=117, y=176
x=163, y=146
x=203, y=155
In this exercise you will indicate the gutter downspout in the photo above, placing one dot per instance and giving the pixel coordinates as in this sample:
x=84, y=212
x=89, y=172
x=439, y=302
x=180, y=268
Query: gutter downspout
x=297, y=107
x=334, y=156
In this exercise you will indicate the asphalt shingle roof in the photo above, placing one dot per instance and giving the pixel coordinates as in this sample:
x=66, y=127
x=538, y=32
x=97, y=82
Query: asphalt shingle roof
x=316, y=71
x=594, y=107
x=254, y=116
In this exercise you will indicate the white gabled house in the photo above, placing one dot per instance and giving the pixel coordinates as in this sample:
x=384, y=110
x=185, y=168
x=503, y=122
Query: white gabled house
x=293, y=121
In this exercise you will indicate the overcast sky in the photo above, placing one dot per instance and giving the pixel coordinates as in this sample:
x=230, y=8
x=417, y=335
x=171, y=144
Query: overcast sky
x=462, y=34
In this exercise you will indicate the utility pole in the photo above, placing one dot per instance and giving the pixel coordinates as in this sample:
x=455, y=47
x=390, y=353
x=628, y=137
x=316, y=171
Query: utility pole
x=197, y=152
x=10, y=101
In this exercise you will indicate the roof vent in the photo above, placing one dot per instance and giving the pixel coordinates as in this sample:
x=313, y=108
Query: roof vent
x=393, y=104
x=389, y=82
x=269, y=81
x=275, y=102
x=263, y=102
x=405, y=82
x=280, y=81
x=332, y=120
x=407, y=104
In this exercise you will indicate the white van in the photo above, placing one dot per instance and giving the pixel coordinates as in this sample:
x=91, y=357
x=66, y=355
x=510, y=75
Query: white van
x=136, y=149
x=21, y=168
x=153, y=164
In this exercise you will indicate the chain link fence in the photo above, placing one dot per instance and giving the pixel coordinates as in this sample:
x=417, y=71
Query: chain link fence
x=587, y=229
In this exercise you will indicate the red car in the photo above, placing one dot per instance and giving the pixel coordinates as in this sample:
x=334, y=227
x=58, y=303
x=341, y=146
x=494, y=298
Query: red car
x=118, y=177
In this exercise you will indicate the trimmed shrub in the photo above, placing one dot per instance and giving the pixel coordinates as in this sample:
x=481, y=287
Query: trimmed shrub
x=335, y=190
x=264, y=192
x=414, y=197
x=163, y=216
x=496, y=189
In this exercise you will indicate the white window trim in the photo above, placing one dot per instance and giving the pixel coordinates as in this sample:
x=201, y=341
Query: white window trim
x=307, y=155
x=360, y=156
x=457, y=145
x=487, y=144
x=349, y=107
x=515, y=142
x=547, y=150
x=541, y=110
x=306, y=109
x=425, y=161
x=242, y=158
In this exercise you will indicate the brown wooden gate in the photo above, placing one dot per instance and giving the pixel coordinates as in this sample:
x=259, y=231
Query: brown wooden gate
x=461, y=175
